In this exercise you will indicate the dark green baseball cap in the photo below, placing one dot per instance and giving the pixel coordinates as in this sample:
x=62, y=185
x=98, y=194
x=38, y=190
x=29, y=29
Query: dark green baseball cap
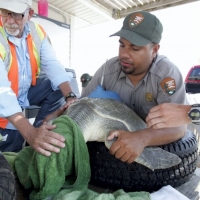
x=85, y=79
x=141, y=28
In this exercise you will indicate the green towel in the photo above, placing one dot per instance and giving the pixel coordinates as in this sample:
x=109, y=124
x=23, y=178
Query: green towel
x=46, y=175
x=62, y=176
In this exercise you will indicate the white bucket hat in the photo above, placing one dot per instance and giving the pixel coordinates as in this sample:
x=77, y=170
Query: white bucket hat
x=17, y=6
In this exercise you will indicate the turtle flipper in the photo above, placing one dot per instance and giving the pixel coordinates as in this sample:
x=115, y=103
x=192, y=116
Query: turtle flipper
x=157, y=158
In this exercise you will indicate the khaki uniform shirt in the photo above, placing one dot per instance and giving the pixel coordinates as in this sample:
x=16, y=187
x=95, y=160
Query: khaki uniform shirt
x=163, y=83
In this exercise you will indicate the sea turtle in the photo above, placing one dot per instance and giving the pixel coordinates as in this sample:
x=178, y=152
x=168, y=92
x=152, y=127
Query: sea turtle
x=97, y=117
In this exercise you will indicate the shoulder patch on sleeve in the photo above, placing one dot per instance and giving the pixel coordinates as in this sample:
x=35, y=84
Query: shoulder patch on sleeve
x=168, y=85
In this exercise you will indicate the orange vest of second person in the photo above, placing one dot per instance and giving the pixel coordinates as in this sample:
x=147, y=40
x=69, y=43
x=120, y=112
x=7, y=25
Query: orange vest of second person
x=9, y=57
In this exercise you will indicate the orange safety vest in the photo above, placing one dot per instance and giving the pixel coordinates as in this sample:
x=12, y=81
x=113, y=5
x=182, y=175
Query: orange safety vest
x=13, y=68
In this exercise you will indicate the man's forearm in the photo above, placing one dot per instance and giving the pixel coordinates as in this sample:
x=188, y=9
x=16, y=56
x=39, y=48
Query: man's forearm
x=154, y=137
x=65, y=88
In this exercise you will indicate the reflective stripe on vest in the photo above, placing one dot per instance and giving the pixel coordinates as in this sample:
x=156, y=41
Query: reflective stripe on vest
x=9, y=56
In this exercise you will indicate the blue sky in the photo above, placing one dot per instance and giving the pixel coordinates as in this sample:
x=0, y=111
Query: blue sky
x=180, y=40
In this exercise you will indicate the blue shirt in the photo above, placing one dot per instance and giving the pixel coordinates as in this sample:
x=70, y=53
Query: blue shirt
x=9, y=103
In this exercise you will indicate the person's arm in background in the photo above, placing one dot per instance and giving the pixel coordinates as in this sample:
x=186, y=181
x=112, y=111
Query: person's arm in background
x=168, y=115
x=60, y=79
x=55, y=71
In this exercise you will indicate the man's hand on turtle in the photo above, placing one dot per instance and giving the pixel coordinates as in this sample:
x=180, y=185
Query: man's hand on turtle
x=128, y=145
x=69, y=102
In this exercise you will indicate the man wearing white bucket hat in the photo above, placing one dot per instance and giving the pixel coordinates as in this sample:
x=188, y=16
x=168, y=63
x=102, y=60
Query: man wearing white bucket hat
x=16, y=6
x=25, y=51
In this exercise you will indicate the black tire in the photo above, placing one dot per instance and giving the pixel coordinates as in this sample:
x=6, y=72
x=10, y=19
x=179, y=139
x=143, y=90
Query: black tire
x=7, y=180
x=109, y=172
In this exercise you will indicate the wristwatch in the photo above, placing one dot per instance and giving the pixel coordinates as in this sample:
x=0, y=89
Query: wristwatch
x=194, y=114
x=70, y=95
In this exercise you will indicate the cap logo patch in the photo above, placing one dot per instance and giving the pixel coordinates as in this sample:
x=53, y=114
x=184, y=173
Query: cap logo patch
x=168, y=85
x=135, y=19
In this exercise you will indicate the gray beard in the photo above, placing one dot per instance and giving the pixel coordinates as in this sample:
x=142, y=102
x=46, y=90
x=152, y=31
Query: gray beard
x=12, y=33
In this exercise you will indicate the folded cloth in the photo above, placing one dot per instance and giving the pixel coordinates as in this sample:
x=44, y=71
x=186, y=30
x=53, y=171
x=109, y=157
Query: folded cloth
x=167, y=193
x=47, y=175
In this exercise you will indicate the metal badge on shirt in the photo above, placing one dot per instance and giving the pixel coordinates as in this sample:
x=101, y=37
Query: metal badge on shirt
x=149, y=96
x=168, y=85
